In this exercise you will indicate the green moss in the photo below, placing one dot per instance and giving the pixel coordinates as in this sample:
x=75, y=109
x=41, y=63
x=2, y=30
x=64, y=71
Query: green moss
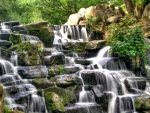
x=65, y=98
x=15, y=38
x=21, y=47
x=6, y=109
x=62, y=107
x=54, y=106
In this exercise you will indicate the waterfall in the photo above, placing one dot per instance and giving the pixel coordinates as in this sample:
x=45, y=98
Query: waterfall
x=19, y=94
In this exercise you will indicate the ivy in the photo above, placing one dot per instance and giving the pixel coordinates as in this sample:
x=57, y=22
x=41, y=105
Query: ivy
x=126, y=39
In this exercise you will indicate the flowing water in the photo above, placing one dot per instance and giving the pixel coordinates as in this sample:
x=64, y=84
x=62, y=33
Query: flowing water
x=19, y=94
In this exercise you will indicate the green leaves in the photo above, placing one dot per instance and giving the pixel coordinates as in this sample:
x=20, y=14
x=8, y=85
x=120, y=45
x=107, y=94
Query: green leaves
x=127, y=41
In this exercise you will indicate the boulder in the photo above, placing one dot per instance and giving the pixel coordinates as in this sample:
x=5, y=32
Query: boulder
x=42, y=83
x=82, y=12
x=32, y=71
x=145, y=15
x=48, y=51
x=54, y=58
x=95, y=44
x=142, y=103
x=5, y=43
x=135, y=82
x=5, y=53
x=74, y=19
x=67, y=80
x=26, y=59
x=78, y=47
x=46, y=35
x=90, y=12
x=82, y=61
x=36, y=26
x=56, y=98
x=58, y=69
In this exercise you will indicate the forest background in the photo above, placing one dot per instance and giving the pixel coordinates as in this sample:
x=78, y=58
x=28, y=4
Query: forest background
x=55, y=12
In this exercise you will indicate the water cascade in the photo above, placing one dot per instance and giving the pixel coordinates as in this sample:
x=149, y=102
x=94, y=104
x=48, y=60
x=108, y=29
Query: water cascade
x=19, y=94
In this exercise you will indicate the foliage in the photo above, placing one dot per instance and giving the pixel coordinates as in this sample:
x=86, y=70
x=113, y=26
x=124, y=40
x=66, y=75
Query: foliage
x=15, y=38
x=61, y=71
x=21, y=47
x=127, y=40
x=6, y=109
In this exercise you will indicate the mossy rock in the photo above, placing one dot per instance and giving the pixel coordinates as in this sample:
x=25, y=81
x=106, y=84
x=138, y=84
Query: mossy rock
x=27, y=59
x=15, y=38
x=36, y=26
x=59, y=91
x=46, y=35
x=54, y=102
x=142, y=103
x=20, y=47
x=42, y=83
x=78, y=47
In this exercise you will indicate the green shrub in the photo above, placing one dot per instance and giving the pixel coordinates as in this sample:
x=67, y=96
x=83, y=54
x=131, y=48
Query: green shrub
x=6, y=109
x=126, y=39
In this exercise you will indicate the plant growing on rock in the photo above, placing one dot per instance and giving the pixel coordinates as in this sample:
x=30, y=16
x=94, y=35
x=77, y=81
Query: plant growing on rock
x=126, y=39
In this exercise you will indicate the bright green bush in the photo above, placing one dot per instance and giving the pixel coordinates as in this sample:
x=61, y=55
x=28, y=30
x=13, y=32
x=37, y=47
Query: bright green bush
x=126, y=39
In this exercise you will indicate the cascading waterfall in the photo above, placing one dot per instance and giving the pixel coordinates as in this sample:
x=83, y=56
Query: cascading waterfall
x=19, y=94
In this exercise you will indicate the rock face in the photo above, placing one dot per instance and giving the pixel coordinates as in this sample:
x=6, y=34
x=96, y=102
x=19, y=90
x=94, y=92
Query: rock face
x=56, y=98
x=55, y=58
x=142, y=103
x=42, y=83
x=31, y=72
x=104, y=12
x=46, y=35
x=95, y=44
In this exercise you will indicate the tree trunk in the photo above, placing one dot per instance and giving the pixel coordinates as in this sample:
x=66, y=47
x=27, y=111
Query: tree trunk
x=129, y=6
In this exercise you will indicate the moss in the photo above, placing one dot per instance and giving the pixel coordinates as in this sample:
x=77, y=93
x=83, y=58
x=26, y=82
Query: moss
x=20, y=47
x=15, y=38
x=78, y=47
x=62, y=107
x=65, y=98
x=46, y=35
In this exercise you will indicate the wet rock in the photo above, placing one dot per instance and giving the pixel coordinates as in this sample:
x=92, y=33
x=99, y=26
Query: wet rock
x=46, y=35
x=142, y=103
x=62, y=69
x=5, y=36
x=67, y=80
x=56, y=98
x=26, y=59
x=82, y=61
x=48, y=51
x=78, y=47
x=42, y=83
x=11, y=23
x=5, y=53
x=95, y=44
x=136, y=82
x=5, y=43
x=36, y=26
x=33, y=71
x=54, y=58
